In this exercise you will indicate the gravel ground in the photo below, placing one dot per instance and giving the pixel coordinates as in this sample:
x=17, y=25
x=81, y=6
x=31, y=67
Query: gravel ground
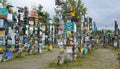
x=32, y=62
x=101, y=59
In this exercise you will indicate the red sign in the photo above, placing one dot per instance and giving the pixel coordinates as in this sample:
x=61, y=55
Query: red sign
x=32, y=13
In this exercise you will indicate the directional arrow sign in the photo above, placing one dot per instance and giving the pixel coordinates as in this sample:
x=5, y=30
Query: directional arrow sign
x=69, y=26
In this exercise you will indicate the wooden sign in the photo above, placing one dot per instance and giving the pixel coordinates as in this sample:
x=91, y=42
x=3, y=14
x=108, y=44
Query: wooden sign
x=69, y=45
x=2, y=16
x=2, y=33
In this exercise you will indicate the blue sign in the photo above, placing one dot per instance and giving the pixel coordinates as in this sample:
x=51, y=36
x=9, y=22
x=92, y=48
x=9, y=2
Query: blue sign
x=4, y=11
x=1, y=23
x=69, y=26
x=95, y=28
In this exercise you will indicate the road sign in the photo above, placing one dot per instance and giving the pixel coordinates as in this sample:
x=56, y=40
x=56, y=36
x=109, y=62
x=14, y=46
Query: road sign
x=4, y=11
x=69, y=26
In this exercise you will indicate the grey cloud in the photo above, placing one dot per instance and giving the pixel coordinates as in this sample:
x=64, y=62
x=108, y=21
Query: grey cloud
x=104, y=12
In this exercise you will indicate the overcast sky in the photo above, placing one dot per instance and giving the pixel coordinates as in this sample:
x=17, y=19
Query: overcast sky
x=104, y=12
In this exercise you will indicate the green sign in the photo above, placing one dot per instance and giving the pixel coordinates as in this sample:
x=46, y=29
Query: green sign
x=4, y=11
x=69, y=26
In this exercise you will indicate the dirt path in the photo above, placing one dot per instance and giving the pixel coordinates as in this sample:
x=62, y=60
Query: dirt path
x=31, y=62
x=101, y=59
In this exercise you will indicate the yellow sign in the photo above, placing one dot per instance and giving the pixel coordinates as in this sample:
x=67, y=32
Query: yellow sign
x=72, y=12
x=1, y=49
x=80, y=25
x=36, y=18
x=43, y=27
x=68, y=34
x=71, y=9
x=78, y=17
x=2, y=33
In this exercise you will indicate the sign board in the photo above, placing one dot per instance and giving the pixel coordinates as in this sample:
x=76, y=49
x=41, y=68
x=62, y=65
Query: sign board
x=10, y=17
x=43, y=28
x=69, y=50
x=1, y=6
x=1, y=40
x=95, y=28
x=1, y=23
x=69, y=26
x=31, y=22
x=32, y=13
x=4, y=11
x=2, y=33
x=75, y=28
x=61, y=26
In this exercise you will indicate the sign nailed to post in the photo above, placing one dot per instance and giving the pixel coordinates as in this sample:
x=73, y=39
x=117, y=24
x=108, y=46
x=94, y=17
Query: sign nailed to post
x=4, y=11
x=1, y=23
x=69, y=26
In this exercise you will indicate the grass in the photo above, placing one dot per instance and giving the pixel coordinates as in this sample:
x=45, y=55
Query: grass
x=76, y=63
x=117, y=50
x=23, y=56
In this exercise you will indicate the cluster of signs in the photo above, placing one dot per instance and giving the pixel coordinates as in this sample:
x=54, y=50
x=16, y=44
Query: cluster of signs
x=3, y=14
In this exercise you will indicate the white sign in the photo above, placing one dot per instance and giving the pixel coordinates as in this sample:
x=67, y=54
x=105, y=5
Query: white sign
x=1, y=6
x=31, y=28
x=9, y=17
x=31, y=22
x=22, y=16
x=43, y=28
x=69, y=49
x=75, y=28
x=1, y=23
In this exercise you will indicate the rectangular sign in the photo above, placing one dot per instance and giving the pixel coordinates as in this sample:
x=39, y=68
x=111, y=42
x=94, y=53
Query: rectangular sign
x=1, y=23
x=4, y=11
x=1, y=40
x=31, y=22
x=69, y=26
x=69, y=49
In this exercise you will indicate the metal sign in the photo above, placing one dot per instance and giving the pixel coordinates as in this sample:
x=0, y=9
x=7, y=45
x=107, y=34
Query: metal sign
x=4, y=11
x=69, y=49
x=95, y=28
x=1, y=23
x=69, y=26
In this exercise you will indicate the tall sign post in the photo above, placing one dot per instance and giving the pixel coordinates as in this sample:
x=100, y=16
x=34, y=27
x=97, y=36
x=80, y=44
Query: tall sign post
x=116, y=34
x=59, y=4
x=70, y=29
x=3, y=16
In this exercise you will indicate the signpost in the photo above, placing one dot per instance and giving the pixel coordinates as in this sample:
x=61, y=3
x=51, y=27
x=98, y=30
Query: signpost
x=70, y=27
x=3, y=15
